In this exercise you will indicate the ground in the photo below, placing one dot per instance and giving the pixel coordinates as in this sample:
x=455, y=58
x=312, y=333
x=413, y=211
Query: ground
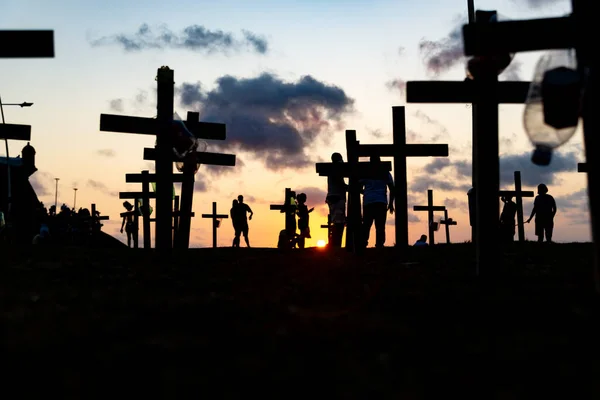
x=232, y=323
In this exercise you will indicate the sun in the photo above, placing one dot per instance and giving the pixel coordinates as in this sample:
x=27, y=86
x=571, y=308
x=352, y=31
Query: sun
x=321, y=243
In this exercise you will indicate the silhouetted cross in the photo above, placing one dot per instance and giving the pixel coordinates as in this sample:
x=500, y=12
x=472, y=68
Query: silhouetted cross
x=518, y=194
x=329, y=228
x=215, y=223
x=448, y=222
x=400, y=150
x=286, y=208
x=430, y=208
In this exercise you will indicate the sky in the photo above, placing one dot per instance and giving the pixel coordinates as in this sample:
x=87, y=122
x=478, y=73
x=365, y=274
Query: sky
x=288, y=78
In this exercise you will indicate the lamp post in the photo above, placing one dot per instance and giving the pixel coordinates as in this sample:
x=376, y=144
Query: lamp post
x=9, y=189
x=74, y=199
x=56, y=195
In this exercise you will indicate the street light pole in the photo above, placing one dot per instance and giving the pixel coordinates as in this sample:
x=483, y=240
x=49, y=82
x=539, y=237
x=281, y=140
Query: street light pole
x=74, y=198
x=56, y=196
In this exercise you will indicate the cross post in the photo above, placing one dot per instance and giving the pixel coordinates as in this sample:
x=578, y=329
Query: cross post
x=289, y=210
x=400, y=150
x=96, y=225
x=214, y=216
x=518, y=194
x=328, y=227
x=447, y=221
x=430, y=208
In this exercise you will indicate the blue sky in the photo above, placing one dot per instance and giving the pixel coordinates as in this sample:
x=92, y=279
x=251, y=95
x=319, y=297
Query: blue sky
x=354, y=46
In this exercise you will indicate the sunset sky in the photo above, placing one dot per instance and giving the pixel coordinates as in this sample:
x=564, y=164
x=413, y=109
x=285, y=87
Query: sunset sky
x=288, y=78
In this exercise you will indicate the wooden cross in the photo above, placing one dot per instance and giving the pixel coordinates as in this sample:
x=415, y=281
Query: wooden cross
x=582, y=167
x=518, y=194
x=447, y=221
x=215, y=223
x=200, y=130
x=27, y=44
x=288, y=209
x=329, y=228
x=568, y=32
x=95, y=221
x=486, y=93
x=400, y=150
x=430, y=208
x=354, y=171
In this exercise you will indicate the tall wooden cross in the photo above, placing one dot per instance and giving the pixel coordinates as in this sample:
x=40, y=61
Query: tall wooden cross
x=215, y=221
x=162, y=128
x=447, y=222
x=287, y=208
x=572, y=31
x=582, y=167
x=400, y=150
x=354, y=171
x=200, y=130
x=430, y=208
x=27, y=44
x=518, y=194
x=485, y=93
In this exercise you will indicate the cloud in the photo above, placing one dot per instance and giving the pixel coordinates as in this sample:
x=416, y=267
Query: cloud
x=456, y=204
x=195, y=38
x=116, y=105
x=97, y=185
x=401, y=50
x=218, y=170
x=275, y=122
x=423, y=183
x=314, y=195
x=396, y=85
x=437, y=165
x=442, y=131
x=413, y=217
x=106, y=153
x=441, y=55
x=512, y=72
x=539, y=3
x=200, y=184
x=40, y=181
x=574, y=201
x=377, y=133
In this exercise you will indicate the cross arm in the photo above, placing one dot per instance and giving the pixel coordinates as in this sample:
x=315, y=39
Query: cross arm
x=517, y=36
x=27, y=44
x=426, y=208
x=361, y=169
x=227, y=160
x=15, y=132
x=526, y=193
x=136, y=195
x=582, y=167
x=140, y=178
x=449, y=222
x=462, y=92
x=410, y=150
x=150, y=126
x=215, y=216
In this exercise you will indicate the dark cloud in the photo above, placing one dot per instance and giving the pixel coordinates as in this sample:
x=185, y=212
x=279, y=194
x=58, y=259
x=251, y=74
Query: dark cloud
x=396, y=84
x=274, y=121
x=577, y=201
x=106, y=153
x=195, y=38
x=116, y=105
x=201, y=184
x=377, y=133
x=441, y=55
x=423, y=183
x=41, y=182
x=437, y=165
x=314, y=195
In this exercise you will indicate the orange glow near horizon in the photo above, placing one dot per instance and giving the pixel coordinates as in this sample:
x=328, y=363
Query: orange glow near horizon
x=321, y=243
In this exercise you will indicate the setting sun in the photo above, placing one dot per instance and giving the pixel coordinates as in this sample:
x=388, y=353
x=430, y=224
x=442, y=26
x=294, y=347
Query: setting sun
x=321, y=243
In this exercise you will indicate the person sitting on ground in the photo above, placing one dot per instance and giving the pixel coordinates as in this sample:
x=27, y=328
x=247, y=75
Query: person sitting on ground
x=422, y=241
x=303, y=217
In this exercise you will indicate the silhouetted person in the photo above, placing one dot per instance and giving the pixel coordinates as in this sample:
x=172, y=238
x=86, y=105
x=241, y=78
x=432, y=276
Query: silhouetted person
x=507, y=220
x=290, y=218
x=544, y=210
x=128, y=223
x=336, y=200
x=233, y=216
x=303, y=217
x=422, y=241
x=241, y=220
x=376, y=206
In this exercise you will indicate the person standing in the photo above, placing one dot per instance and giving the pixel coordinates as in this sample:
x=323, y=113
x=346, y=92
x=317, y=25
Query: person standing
x=544, y=210
x=376, y=205
x=336, y=200
x=242, y=220
x=507, y=220
x=233, y=216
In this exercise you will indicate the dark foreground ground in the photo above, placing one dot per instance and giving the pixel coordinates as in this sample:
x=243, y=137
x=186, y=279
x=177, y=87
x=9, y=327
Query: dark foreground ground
x=81, y=323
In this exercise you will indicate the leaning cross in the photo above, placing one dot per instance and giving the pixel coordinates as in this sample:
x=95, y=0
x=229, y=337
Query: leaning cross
x=354, y=170
x=215, y=221
x=288, y=208
x=400, y=150
x=430, y=208
x=200, y=130
x=518, y=194
x=448, y=222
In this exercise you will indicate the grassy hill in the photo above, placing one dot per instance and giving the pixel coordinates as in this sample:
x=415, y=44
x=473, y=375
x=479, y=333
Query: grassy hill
x=231, y=323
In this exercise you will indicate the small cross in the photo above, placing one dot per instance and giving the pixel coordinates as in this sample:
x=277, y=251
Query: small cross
x=430, y=208
x=289, y=208
x=215, y=221
x=448, y=222
x=518, y=194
